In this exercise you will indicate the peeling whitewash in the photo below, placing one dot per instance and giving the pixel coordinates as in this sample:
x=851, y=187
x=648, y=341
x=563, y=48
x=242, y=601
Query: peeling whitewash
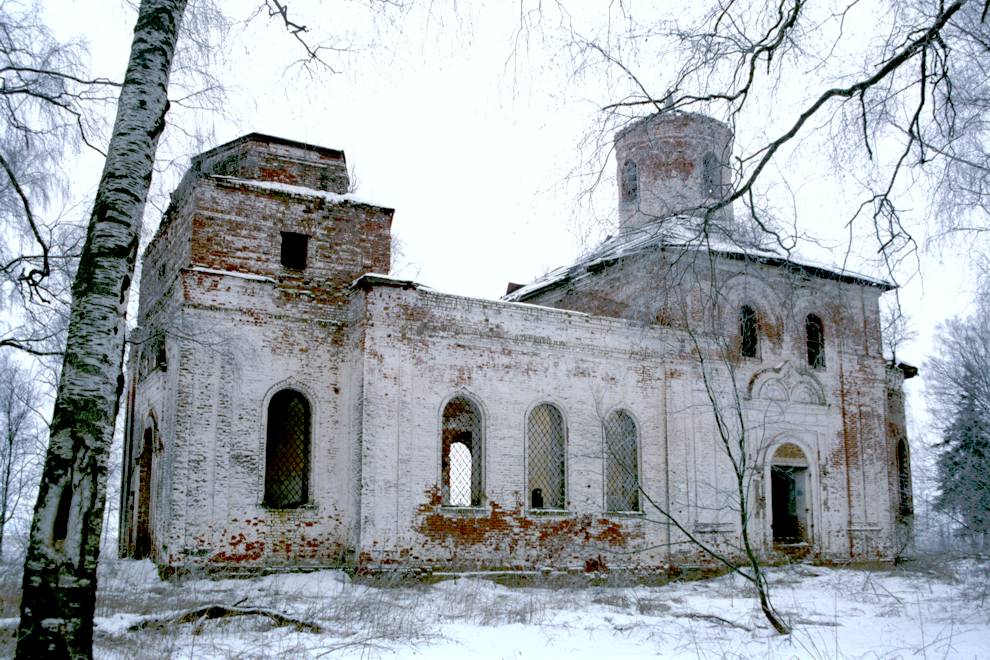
x=371, y=362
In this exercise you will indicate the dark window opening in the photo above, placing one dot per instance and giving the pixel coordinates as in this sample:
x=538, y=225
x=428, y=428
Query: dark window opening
x=815, y=332
x=545, y=433
x=905, y=505
x=460, y=462
x=748, y=341
x=294, y=248
x=287, y=451
x=161, y=357
x=630, y=182
x=711, y=176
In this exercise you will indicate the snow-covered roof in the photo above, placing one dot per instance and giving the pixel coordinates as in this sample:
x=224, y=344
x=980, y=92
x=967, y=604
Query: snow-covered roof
x=369, y=280
x=689, y=233
x=300, y=191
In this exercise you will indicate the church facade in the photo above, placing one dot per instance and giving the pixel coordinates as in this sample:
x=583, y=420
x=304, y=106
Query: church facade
x=288, y=405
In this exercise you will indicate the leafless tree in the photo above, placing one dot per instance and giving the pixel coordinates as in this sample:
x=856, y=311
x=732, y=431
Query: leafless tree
x=59, y=584
x=682, y=291
x=717, y=349
x=21, y=435
x=895, y=93
x=888, y=95
x=49, y=108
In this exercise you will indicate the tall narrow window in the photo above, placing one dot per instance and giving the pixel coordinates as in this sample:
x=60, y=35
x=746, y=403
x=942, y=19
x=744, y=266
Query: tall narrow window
x=748, y=342
x=815, y=332
x=621, y=464
x=461, y=461
x=630, y=182
x=142, y=534
x=904, y=504
x=546, y=466
x=287, y=451
x=711, y=176
x=294, y=249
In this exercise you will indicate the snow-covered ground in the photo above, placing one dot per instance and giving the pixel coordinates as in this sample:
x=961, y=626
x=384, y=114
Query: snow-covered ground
x=926, y=610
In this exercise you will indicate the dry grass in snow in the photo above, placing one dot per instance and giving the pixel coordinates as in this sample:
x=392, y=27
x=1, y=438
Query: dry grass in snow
x=925, y=610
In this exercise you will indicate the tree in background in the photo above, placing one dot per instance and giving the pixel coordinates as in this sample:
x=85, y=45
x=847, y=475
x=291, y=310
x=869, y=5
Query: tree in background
x=21, y=445
x=49, y=110
x=959, y=399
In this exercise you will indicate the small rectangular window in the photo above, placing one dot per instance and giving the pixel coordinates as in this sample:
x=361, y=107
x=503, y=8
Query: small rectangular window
x=294, y=248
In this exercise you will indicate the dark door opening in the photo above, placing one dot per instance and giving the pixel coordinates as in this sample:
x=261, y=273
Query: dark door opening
x=786, y=491
x=142, y=541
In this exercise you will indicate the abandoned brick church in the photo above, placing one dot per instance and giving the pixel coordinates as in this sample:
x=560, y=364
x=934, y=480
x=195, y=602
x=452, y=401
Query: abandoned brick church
x=288, y=405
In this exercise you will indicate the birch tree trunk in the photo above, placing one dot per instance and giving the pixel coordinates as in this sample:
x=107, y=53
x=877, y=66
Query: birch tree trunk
x=59, y=590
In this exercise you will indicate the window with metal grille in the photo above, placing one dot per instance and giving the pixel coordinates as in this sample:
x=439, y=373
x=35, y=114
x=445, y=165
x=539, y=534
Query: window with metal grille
x=461, y=446
x=546, y=461
x=621, y=463
x=287, y=451
x=748, y=342
x=815, y=332
x=294, y=249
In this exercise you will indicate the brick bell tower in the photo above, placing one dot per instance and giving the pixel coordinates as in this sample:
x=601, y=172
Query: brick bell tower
x=245, y=294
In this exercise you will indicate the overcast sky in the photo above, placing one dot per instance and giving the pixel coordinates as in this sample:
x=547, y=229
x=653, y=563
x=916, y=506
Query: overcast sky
x=468, y=131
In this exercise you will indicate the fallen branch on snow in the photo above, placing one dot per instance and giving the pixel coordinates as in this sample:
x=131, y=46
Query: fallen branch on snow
x=710, y=617
x=199, y=614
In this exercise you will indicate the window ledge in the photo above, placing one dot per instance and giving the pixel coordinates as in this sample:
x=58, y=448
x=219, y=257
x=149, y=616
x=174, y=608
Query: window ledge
x=550, y=513
x=625, y=514
x=310, y=506
x=463, y=511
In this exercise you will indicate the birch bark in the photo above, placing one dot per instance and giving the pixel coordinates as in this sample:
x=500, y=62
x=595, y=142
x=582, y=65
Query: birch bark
x=59, y=589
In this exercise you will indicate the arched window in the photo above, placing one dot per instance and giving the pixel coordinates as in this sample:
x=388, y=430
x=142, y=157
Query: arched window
x=904, y=504
x=748, y=341
x=621, y=463
x=461, y=441
x=815, y=332
x=287, y=451
x=546, y=466
x=630, y=182
x=711, y=176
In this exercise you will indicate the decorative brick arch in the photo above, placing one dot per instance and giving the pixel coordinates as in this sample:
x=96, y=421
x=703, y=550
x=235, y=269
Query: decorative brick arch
x=786, y=384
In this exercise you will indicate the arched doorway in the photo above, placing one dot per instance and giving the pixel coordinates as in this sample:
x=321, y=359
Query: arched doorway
x=789, y=496
x=142, y=503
